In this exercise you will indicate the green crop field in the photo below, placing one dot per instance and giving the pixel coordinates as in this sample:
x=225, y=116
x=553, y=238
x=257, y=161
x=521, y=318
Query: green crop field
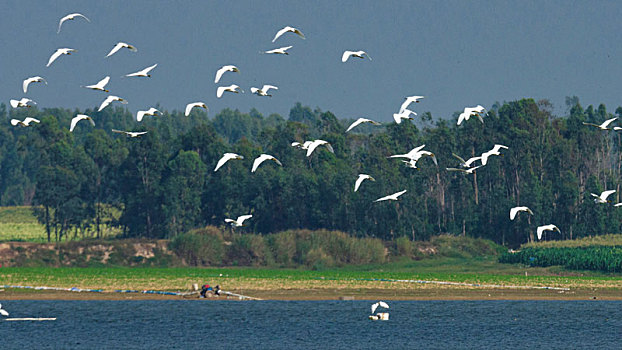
x=450, y=269
x=19, y=224
x=602, y=240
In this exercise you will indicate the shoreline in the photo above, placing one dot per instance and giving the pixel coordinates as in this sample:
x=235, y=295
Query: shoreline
x=440, y=294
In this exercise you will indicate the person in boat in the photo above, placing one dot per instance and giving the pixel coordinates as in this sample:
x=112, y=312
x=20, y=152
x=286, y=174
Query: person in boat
x=204, y=289
x=217, y=290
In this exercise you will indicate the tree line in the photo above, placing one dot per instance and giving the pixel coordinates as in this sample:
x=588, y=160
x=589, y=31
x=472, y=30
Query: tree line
x=163, y=183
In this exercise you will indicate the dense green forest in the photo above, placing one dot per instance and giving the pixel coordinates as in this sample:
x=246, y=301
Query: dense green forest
x=164, y=183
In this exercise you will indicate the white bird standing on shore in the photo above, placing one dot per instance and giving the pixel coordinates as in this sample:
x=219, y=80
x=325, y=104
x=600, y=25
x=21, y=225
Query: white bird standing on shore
x=78, y=118
x=225, y=158
x=280, y=50
x=231, y=88
x=3, y=312
x=493, y=152
x=408, y=100
x=143, y=73
x=24, y=102
x=190, y=106
x=101, y=85
x=70, y=17
x=263, y=157
x=288, y=29
x=109, y=100
x=36, y=79
x=223, y=70
x=264, y=90
x=391, y=197
x=359, y=54
x=119, y=46
x=515, y=211
x=604, y=125
x=239, y=221
x=130, y=133
x=405, y=114
x=602, y=198
x=360, y=179
x=550, y=227
x=24, y=123
x=57, y=53
x=361, y=121
x=150, y=112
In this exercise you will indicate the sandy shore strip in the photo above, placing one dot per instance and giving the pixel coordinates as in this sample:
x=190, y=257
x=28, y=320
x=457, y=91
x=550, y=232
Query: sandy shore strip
x=335, y=294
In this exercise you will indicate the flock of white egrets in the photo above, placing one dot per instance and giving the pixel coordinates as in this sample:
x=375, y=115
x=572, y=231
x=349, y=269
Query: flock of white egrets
x=410, y=158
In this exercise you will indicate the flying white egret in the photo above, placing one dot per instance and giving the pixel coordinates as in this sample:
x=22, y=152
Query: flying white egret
x=361, y=121
x=3, y=312
x=70, y=17
x=493, y=152
x=227, y=157
x=264, y=90
x=304, y=145
x=380, y=303
x=415, y=154
x=405, y=114
x=391, y=197
x=602, y=198
x=223, y=69
x=467, y=163
x=101, y=85
x=119, y=46
x=466, y=171
x=109, y=100
x=411, y=163
x=515, y=211
x=230, y=88
x=36, y=79
x=604, y=125
x=150, y=112
x=315, y=143
x=360, y=179
x=57, y=53
x=130, y=133
x=24, y=123
x=142, y=73
x=263, y=157
x=78, y=118
x=550, y=227
x=280, y=50
x=239, y=221
x=471, y=111
x=408, y=100
x=359, y=54
x=24, y=102
x=288, y=29
x=190, y=106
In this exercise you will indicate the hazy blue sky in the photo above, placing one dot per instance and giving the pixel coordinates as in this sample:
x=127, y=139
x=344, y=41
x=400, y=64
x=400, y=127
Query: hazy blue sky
x=456, y=53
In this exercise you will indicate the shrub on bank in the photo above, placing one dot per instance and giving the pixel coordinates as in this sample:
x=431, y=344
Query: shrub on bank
x=200, y=247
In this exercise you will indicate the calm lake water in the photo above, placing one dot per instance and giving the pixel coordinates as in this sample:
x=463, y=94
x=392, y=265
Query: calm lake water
x=195, y=324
